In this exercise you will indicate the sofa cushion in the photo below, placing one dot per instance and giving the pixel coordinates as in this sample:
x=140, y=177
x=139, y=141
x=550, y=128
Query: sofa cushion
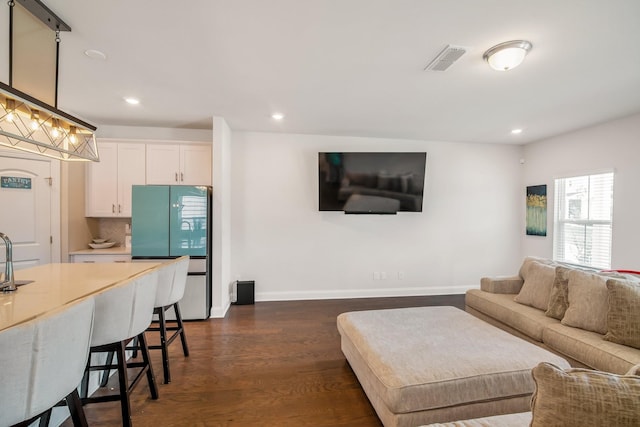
x=623, y=317
x=581, y=397
x=588, y=302
x=590, y=349
x=537, y=286
x=501, y=307
x=559, y=296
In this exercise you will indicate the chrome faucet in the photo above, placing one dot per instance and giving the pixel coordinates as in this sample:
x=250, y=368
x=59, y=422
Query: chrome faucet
x=9, y=283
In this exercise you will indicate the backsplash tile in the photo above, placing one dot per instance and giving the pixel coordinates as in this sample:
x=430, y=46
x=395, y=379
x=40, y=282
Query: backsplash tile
x=112, y=229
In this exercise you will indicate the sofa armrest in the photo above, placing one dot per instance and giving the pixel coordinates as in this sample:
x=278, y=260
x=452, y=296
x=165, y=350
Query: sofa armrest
x=501, y=285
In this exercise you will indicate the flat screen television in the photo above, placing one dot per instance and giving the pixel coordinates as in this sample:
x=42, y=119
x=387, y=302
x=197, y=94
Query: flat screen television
x=371, y=182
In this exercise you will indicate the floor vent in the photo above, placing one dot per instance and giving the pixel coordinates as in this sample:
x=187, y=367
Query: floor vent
x=446, y=58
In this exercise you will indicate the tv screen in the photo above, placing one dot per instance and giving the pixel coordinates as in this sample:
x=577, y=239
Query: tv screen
x=371, y=183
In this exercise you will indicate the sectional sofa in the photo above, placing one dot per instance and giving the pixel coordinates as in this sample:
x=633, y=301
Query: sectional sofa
x=590, y=318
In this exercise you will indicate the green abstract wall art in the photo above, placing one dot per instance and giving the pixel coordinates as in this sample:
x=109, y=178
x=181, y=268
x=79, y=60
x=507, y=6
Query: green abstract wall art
x=537, y=210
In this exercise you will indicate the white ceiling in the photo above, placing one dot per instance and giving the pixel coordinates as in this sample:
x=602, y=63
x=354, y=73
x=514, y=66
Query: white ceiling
x=351, y=67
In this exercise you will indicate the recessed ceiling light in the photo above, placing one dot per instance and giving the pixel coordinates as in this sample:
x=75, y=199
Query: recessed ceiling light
x=95, y=54
x=516, y=131
x=277, y=116
x=132, y=101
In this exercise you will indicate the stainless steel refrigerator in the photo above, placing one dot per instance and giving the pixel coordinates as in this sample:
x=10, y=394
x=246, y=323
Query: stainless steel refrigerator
x=168, y=221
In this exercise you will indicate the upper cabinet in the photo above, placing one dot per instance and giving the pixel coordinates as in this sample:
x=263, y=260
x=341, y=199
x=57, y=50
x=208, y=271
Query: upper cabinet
x=109, y=181
x=178, y=164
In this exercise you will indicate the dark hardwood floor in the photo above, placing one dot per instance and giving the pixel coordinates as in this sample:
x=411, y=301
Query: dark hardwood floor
x=268, y=364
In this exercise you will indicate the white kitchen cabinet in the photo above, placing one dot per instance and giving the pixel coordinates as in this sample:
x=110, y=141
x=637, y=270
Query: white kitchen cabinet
x=116, y=254
x=109, y=182
x=178, y=164
x=82, y=258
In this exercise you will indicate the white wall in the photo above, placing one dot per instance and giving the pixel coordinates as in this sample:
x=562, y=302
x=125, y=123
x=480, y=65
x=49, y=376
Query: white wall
x=139, y=132
x=613, y=145
x=221, y=221
x=469, y=226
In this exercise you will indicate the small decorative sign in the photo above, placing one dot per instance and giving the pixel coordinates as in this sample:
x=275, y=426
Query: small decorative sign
x=15, y=182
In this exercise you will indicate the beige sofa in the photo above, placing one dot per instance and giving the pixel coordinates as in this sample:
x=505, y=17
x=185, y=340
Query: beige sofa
x=573, y=397
x=590, y=318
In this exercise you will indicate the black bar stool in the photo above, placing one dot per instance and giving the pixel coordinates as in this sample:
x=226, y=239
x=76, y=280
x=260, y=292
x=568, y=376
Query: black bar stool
x=172, y=279
x=123, y=313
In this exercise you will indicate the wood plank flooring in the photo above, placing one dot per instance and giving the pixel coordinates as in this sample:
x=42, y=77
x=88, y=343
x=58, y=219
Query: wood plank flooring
x=268, y=364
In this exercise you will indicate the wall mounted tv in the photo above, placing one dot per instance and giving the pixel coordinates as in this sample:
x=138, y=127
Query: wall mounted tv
x=371, y=183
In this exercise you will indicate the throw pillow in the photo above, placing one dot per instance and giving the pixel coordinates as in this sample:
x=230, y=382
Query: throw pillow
x=526, y=262
x=537, y=286
x=588, y=302
x=559, y=296
x=582, y=397
x=623, y=317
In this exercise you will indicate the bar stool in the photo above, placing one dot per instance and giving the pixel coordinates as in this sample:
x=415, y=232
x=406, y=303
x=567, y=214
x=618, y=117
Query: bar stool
x=122, y=313
x=172, y=279
x=42, y=363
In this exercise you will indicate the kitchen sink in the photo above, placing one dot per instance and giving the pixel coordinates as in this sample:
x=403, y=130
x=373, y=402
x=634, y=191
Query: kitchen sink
x=23, y=282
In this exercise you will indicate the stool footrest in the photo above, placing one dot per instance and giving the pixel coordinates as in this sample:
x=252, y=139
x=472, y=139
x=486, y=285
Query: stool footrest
x=176, y=329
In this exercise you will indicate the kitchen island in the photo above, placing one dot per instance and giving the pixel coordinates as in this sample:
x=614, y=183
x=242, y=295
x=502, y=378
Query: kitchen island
x=54, y=285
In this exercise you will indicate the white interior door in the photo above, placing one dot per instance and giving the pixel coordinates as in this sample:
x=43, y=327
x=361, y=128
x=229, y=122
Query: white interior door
x=25, y=213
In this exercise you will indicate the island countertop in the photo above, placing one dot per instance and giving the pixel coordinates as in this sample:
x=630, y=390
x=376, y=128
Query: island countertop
x=116, y=250
x=55, y=285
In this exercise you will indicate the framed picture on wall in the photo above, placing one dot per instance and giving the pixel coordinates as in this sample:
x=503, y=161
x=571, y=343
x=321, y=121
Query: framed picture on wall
x=537, y=210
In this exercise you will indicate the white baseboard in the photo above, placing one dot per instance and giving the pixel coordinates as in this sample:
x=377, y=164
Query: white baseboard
x=219, y=312
x=360, y=293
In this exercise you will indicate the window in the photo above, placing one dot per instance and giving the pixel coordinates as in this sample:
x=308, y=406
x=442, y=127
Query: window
x=583, y=220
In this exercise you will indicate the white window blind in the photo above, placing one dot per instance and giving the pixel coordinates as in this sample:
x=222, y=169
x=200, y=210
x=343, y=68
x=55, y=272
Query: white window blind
x=583, y=220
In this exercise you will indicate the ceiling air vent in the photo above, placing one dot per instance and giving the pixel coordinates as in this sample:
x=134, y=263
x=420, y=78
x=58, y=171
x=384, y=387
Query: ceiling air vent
x=446, y=58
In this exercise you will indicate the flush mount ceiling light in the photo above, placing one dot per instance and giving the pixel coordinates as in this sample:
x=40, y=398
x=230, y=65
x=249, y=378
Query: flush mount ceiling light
x=131, y=100
x=277, y=116
x=507, y=55
x=34, y=126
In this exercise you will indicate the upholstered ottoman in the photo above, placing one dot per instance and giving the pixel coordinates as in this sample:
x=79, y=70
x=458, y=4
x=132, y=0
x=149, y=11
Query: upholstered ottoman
x=438, y=364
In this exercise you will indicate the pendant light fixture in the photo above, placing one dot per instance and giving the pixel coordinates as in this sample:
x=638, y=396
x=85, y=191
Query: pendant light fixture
x=31, y=125
x=508, y=55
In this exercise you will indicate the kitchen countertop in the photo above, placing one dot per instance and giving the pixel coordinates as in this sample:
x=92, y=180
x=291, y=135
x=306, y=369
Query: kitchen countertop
x=116, y=250
x=55, y=285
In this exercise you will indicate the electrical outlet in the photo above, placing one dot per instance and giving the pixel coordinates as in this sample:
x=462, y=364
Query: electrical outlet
x=401, y=275
x=376, y=275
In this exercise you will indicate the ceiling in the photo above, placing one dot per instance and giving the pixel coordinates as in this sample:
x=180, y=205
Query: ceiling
x=351, y=67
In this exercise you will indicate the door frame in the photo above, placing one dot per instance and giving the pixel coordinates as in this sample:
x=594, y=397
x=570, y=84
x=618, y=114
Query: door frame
x=54, y=219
